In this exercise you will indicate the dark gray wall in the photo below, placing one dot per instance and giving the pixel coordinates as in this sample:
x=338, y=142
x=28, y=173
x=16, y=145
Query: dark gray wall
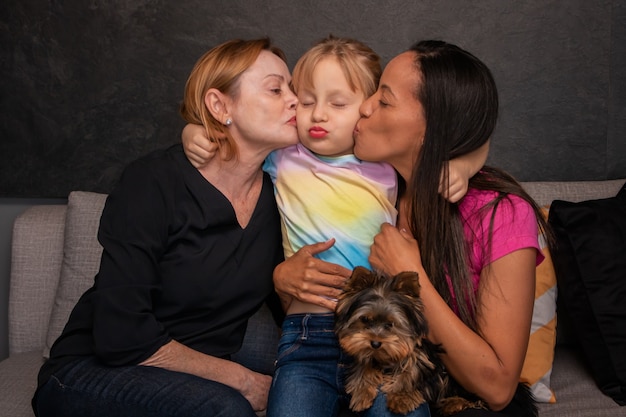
x=87, y=86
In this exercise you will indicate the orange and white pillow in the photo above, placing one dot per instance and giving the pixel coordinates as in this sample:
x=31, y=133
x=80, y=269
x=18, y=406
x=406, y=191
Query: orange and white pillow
x=537, y=367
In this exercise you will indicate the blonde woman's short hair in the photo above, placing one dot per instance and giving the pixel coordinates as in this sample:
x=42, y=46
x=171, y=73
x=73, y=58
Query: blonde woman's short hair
x=221, y=68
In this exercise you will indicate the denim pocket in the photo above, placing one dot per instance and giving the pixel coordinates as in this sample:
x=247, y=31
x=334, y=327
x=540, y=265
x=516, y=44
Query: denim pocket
x=290, y=342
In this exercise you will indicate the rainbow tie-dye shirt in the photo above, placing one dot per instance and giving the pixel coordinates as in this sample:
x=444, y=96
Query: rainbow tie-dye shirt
x=320, y=198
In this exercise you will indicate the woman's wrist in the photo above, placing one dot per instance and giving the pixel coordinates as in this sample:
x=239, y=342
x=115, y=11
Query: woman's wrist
x=285, y=298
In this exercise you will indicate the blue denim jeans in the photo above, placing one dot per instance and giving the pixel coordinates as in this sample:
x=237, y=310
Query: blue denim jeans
x=310, y=369
x=87, y=389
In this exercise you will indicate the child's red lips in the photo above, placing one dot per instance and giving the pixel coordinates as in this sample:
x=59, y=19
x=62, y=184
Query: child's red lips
x=317, y=132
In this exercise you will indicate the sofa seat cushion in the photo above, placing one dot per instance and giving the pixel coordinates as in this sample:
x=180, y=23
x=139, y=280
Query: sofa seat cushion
x=576, y=392
x=18, y=383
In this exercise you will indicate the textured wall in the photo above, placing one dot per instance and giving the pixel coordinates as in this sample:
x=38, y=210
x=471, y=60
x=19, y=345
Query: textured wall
x=88, y=85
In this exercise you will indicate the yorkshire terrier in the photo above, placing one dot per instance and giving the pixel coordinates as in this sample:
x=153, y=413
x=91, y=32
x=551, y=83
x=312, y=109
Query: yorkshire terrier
x=381, y=325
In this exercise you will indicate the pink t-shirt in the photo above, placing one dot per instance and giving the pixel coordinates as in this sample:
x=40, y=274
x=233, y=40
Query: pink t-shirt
x=514, y=227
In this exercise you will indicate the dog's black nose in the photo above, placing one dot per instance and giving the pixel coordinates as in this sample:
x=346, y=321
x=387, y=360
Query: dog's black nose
x=375, y=344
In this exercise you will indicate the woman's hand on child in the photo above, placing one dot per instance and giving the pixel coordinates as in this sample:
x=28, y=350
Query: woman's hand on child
x=309, y=279
x=394, y=251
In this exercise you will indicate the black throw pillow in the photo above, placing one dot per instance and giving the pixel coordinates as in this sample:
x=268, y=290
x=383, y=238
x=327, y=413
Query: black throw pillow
x=590, y=265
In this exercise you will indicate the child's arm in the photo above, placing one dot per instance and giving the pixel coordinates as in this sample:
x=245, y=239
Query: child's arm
x=199, y=149
x=460, y=170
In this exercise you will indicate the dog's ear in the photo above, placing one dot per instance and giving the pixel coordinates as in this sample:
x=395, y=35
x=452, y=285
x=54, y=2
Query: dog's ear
x=407, y=283
x=361, y=278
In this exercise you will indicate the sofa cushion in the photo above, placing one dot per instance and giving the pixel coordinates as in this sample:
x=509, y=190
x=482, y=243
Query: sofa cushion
x=81, y=258
x=260, y=343
x=18, y=383
x=537, y=367
x=36, y=254
x=591, y=274
x=577, y=394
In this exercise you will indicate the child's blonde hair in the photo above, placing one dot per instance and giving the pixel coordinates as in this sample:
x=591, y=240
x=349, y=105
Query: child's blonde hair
x=360, y=64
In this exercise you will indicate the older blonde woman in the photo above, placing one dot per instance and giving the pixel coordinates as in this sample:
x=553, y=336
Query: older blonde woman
x=188, y=258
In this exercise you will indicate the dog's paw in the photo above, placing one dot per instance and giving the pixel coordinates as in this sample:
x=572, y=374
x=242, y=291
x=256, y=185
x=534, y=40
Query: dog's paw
x=453, y=405
x=403, y=403
x=362, y=400
x=363, y=388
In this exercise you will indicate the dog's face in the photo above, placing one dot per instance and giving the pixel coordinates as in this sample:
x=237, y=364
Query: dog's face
x=379, y=319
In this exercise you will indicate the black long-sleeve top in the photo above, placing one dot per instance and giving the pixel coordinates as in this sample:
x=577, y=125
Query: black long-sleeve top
x=176, y=265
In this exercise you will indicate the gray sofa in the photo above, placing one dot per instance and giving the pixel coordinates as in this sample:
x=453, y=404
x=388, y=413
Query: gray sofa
x=55, y=255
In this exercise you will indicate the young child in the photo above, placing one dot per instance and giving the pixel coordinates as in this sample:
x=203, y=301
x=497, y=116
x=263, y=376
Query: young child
x=324, y=192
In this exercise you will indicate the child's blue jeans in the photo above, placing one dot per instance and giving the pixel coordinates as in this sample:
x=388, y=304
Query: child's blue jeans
x=310, y=370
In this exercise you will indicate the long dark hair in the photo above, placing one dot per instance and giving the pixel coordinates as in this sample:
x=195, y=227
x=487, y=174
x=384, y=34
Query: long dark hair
x=460, y=101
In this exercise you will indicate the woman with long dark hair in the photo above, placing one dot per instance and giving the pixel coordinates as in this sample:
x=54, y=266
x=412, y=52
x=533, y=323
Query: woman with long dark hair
x=476, y=258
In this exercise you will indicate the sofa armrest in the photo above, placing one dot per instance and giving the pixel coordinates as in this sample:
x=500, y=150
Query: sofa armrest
x=36, y=257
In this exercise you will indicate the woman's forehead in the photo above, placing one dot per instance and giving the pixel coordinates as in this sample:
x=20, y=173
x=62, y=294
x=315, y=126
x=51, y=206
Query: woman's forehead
x=400, y=75
x=268, y=65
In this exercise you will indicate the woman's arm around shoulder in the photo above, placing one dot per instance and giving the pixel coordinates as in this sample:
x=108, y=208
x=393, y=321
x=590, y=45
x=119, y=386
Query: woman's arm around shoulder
x=199, y=149
x=460, y=170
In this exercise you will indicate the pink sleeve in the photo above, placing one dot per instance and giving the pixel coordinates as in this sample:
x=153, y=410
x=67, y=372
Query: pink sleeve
x=515, y=227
